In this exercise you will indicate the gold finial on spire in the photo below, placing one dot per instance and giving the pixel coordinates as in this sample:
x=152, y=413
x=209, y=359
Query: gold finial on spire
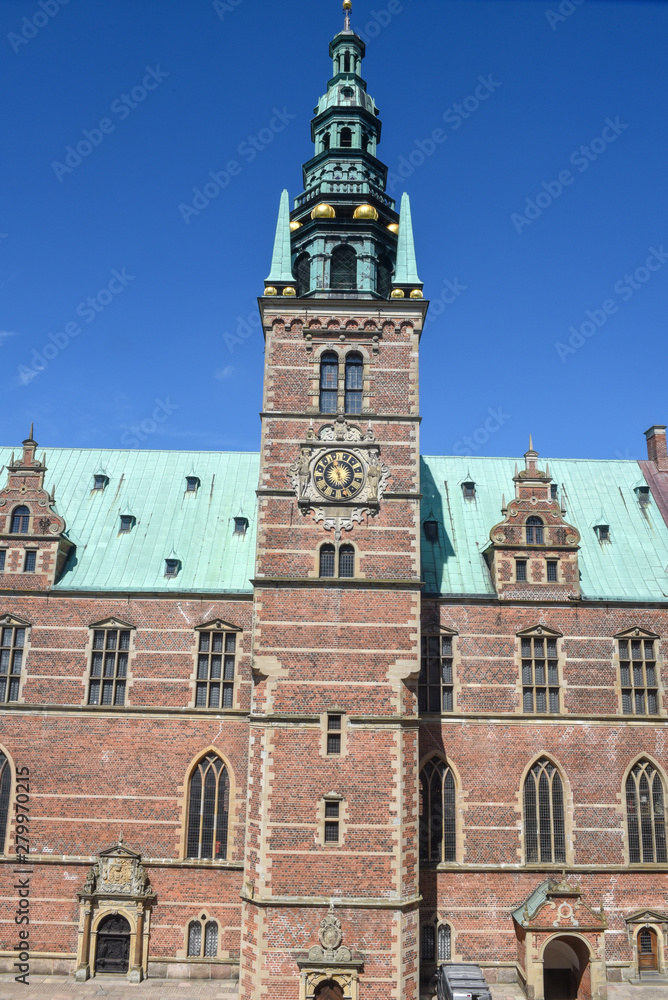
x=347, y=7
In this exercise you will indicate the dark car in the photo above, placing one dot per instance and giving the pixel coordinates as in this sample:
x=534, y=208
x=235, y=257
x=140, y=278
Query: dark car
x=462, y=982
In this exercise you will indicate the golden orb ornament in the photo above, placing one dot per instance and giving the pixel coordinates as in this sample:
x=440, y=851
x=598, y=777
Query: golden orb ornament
x=417, y=294
x=270, y=290
x=394, y=228
x=365, y=212
x=323, y=211
x=347, y=4
x=289, y=290
x=397, y=293
x=294, y=226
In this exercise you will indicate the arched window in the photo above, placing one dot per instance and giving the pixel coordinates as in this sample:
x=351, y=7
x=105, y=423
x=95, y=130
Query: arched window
x=384, y=277
x=354, y=382
x=5, y=792
x=329, y=382
x=428, y=943
x=325, y=140
x=444, y=943
x=346, y=140
x=645, y=814
x=346, y=561
x=544, y=834
x=327, y=561
x=20, y=521
x=194, y=939
x=208, y=809
x=534, y=531
x=343, y=267
x=211, y=940
x=302, y=274
x=437, y=813
x=346, y=63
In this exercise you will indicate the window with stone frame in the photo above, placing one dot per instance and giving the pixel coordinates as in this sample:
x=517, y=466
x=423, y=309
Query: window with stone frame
x=646, y=815
x=203, y=938
x=444, y=943
x=436, y=680
x=109, y=658
x=544, y=821
x=354, y=368
x=329, y=382
x=534, y=530
x=5, y=797
x=428, y=943
x=638, y=674
x=208, y=809
x=438, y=829
x=20, y=521
x=539, y=652
x=13, y=639
x=217, y=648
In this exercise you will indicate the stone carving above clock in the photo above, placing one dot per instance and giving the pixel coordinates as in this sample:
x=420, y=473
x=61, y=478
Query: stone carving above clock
x=341, y=467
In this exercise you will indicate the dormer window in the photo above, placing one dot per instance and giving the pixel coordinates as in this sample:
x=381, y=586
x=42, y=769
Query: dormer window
x=431, y=531
x=554, y=491
x=20, y=521
x=468, y=490
x=172, y=567
x=100, y=481
x=643, y=494
x=240, y=525
x=127, y=524
x=192, y=484
x=534, y=528
x=602, y=532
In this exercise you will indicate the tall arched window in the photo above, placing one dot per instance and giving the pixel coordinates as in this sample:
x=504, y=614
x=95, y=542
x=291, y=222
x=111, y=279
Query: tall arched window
x=302, y=274
x=346, y=63
x=211, y=939
x=327, y=561
x=343, y=267
x=384, y=277
x=208, y=809
x=20, y=521
x=346, y=561
x=544, y=833
x=646, y=815
x=354, y=382
x=346, y=138
x=444, y=943
x=534, y=531
x=329, y=382
x=194, y=939
x=325, y=140
x=438, y=840
x=5, y=792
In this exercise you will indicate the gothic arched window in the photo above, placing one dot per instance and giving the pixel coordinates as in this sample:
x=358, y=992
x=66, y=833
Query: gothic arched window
x=346, y=138
x=5, y=792
x=302, y=274
x=329, y=382
x=438, y=841
x=444, y=943
x=384, y=277
x=534, y=531
x=354, y=382
x=20, y=521
x=208, y=809
x=544, y=833
x=343, y=267
x=645, y=814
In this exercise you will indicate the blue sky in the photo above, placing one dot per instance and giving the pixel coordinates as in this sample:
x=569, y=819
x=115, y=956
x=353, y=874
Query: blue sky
x=543, y=205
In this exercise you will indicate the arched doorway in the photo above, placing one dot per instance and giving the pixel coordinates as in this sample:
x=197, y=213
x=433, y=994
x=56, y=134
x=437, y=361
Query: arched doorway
x=647, y=950
x=113, y=944
x=566, y=969
x=329, y=990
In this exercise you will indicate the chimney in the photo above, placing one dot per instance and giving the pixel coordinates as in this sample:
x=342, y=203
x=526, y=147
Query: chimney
x=656, y=447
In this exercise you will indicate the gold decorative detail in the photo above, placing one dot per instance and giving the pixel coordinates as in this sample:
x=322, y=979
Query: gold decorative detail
x=394, y=227
x=270, y=290
x=289, y=290
x=347, y=4
x=398, y=293
x=294, y=226
x=323, y=211
x=417, y=294
x=365, y=212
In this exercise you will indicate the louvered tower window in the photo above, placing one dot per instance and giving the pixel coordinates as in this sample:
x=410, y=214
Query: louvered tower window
x=437, y=814
x=646, y=814
x=329, y=382
x=346, y=133
x=208, y=806
x=343, y=268
x=302, y=274
x=544, y=832
x=354, y=382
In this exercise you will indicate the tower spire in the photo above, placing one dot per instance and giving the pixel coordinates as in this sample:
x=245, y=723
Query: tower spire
x=347, y=7
x=281, y=260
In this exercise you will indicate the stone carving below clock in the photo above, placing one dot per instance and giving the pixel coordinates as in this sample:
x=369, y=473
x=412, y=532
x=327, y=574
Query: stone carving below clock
x=331, y=936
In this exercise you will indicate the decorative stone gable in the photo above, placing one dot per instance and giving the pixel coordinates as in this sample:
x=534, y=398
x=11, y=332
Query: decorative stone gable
x=533, y=552
x=329, y=962
x=31, y=532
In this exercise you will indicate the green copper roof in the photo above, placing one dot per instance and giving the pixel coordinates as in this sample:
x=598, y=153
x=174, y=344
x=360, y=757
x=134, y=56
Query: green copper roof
x=281, y=261
x=633, y=566
x=151, y=485
x=406, y=270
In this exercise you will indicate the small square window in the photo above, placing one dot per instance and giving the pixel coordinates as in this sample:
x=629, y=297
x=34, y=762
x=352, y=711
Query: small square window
x=469, y=490
x=172, y=567
x=552, y=570
x=431, y=531
x=30, y=561
x=643, y=494
x=99, y=481
x=192, y=484
x=240, y=525
x=521, y=570
x=127, y=521
x=331, y=833
x=603, y=532
x=3, y=555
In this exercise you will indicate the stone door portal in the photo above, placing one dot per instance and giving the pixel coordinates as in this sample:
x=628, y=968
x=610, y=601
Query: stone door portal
x=329, y=991
x=113, y=945
x=647, y=950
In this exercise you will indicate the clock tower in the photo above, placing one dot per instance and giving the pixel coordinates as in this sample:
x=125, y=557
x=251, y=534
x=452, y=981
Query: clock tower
x=330, y=891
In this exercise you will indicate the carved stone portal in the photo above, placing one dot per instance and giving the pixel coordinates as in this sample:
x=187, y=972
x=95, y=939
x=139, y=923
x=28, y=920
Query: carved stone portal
x=114, y=916
x=330, y=961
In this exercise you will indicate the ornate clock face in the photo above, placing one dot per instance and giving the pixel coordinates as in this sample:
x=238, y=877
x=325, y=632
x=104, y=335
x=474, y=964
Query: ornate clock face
x=338, y=475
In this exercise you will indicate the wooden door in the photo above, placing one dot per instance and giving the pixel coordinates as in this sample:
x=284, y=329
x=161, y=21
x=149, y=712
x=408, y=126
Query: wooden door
x=329, y=991
x=647, y=950
x=113, y=945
